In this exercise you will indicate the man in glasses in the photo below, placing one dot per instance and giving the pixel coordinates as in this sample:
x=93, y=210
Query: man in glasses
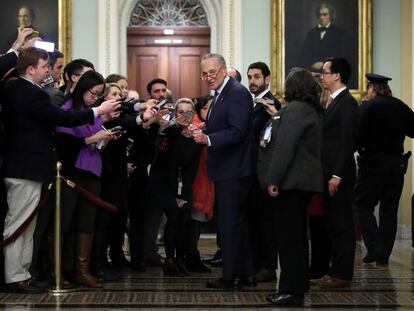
x=229, y=137
x=72, y=73
x=338, y=146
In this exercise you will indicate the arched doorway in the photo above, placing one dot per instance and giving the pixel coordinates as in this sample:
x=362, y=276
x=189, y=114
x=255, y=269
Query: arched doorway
x=165, y=40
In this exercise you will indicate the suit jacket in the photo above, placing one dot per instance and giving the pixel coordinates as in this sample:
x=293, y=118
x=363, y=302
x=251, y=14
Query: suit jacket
x=230, y=130
x=339, y=137
x=29, y=122
x=56, y=96
x=316, y=50
x=292, y=159
x=261, y=117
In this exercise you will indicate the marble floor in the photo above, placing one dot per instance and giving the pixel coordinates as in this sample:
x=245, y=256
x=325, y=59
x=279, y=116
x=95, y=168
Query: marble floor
x=373, y=288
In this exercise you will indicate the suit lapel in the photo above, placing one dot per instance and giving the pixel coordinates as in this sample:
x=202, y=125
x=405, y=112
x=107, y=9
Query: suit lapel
x=220, y=98
x=336, y=100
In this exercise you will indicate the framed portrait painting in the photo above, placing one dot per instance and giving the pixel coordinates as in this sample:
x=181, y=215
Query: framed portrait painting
x=306, y=32
x=50, y=18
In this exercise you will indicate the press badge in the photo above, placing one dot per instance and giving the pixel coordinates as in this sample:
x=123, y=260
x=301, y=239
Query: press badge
x=267, y=136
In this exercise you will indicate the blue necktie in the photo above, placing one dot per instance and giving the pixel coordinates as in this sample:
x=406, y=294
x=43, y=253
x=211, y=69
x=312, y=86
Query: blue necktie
x=213, y=101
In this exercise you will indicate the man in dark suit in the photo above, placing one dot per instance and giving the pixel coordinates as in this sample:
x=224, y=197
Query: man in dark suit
x=231, y=165
x=259, y=207
x=338, y=146
x=29, y=159
x=385, y=121
x=55, y=64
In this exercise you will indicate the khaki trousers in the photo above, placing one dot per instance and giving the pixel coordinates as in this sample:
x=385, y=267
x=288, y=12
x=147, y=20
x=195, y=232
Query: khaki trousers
x=23, y=195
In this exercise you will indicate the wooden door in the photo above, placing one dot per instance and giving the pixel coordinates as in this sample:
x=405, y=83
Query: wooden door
x=175, y=59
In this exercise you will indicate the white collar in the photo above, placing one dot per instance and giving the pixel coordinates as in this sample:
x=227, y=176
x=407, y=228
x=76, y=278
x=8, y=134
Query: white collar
x=31, y=81
x=337, y=92
x=262, y=93
x=220, y=89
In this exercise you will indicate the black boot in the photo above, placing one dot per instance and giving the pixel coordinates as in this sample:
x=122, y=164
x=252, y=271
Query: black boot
x=194, y=264
x=170, y=267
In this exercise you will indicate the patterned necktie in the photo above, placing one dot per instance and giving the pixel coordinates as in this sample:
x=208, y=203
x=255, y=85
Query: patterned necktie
x=330, y=100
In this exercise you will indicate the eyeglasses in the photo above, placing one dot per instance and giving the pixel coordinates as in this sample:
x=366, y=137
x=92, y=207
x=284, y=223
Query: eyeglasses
x=97, y=95
x=324, y=73
x=212, y=74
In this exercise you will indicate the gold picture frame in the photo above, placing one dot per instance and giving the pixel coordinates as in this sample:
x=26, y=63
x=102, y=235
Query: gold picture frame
x=278, y=45
x=65, y=29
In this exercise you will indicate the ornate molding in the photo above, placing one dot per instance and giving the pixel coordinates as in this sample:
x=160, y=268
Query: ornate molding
x=168, y=13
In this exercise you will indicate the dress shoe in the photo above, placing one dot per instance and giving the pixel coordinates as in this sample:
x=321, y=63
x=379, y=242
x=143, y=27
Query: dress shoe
x=334, y=282
x=248, y=281
x=285, y=300
x=265, y=275
x=369, y=258
x=24, y=287
x=217, y=262
x=316, y=282
x=170, y=267
x=217, y=255
x=225, y=284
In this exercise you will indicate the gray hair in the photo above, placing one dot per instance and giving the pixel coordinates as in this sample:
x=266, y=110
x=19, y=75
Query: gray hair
x=219, y=57
x=331, y=9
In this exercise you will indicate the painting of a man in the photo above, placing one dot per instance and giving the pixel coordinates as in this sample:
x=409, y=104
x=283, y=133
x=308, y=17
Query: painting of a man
x=333, y=33
x=42, y=17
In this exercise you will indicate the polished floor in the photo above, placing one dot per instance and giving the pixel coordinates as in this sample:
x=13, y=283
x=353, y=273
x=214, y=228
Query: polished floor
x=373, y=288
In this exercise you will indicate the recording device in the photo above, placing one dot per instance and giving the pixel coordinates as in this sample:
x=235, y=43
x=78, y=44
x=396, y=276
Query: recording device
x=264, y=101
x=115, y=129
x=189, y=114
x=45, y=45
x=34, y=34
x=164, y=104
x=127, y=105
x=48, y=81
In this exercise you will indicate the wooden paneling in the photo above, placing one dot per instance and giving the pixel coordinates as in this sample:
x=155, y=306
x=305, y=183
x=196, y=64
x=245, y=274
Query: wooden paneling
x=177, y=63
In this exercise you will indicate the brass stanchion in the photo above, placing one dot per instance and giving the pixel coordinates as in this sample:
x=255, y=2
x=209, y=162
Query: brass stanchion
x=58, y=250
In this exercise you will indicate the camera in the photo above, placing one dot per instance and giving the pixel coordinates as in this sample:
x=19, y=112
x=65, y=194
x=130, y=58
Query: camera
x=164, y=104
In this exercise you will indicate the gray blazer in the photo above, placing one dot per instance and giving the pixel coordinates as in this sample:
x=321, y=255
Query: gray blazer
x=292, y=159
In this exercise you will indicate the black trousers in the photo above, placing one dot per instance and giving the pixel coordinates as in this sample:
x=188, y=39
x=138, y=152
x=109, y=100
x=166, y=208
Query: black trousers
x=382, y=183
x=321, y=249
x=291, y=235
x=340, y=227
x=260, y=218
x=234, y=239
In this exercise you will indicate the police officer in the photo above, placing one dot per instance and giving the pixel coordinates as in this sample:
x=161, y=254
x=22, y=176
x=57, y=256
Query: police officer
x=385, y=121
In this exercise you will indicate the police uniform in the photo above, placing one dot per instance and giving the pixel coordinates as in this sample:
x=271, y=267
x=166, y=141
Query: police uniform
x=384, y=123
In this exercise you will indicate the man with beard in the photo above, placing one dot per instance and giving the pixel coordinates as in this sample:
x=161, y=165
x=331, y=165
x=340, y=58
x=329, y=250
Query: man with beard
x=259, y=207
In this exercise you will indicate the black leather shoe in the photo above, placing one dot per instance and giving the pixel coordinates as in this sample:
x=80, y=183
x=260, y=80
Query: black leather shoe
x=249, y=281
x=225, y=284
x=22, y=288
x=369, y=258
x=285, y=300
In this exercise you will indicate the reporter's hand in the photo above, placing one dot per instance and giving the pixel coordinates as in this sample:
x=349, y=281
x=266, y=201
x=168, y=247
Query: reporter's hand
x=180, y=202
x=333, y=185
x=108, y=106
x=273, y=190
x=22, y=34
x=200, y=137
x=270, y=109
x=184, y=120
x=148, y=104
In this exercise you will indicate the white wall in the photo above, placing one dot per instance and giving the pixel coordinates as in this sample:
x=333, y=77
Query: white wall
x=85, y=30
x=386, y=41
x=255, y=34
